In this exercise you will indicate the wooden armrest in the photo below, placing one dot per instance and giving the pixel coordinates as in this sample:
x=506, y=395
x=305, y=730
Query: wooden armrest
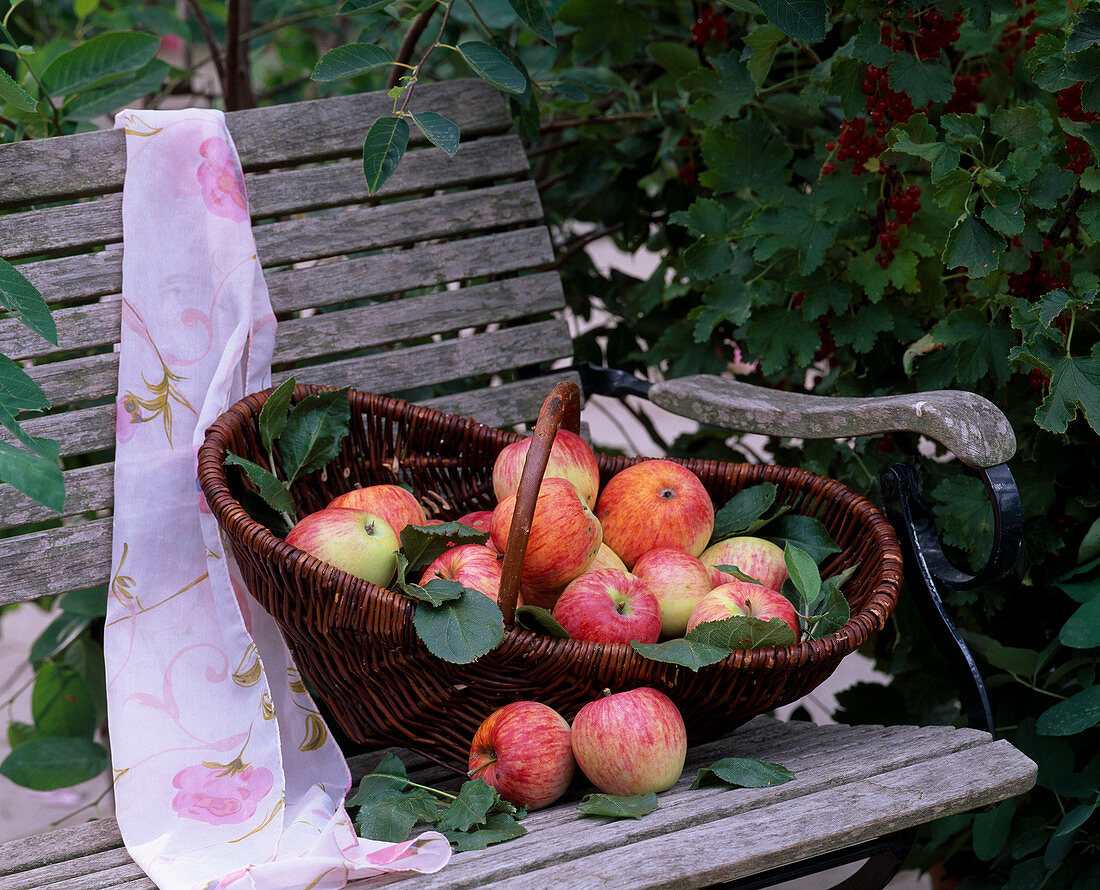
x=971, y=427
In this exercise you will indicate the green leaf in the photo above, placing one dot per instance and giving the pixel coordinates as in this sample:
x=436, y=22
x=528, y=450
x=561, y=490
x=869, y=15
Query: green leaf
x=471, y=807
x=20, y=733
x=741, y=632
x=1019, y=124
x=917, y=138
x=460, y=631
x=952, y=191
x=273, y=414
x=1089, y=548
x=65, y=628
x=801, y=19
x=119, y=93
x=991, y=829
x=1006, y=216
x=847, y=84
x=806, y=533
x=1022, y=662
x=763, y=43
x=782, y=338
x=383, y=150
x=721, y=90
x=19, y=295
x=37, y=477
x=49, y=763
x=1049, y=186
x=1074, y=384
x=539, y=620
x=742, y=772
x=90, y=602
x=390, y=775
x=1086, y=30
x=492, y=65
x=314, y=430
x=831, y=608
x=685, y=652
x=964, y=514
x=923, y=82
x=61, y=702
x=390, y=816
x=10, y=91
x=963, y=129
x=984, y=345
x=98, y=61
x=803, y=572
x=350, y=60
x=974, y=245
x=439, y=131
x=737, y=573
x=270, y=486
x=745, y=154
x=708, y=258
x=436, y=592
x=533, y=15
x=860, y=329
x=499, y=827
x=422, y=544
x=741, y=511
x=704, y=218
x=868, y=47
x=613, y=806
x=1076, y=714
x=793, y=227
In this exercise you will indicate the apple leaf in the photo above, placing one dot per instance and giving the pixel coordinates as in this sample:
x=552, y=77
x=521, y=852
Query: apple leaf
x=274, y=413
x=314, y=430
x=805, y=532
x=471, y=808
x=738, y=574
x=389, y=775
x=461, y=630
x=803, y=572
x=613, y=806
x=833, y=609
x=436, y=592
x=742, y=772
x=687, y=653
x=499, y=827
x=391, y=815
x=270, y=487
x=740, y=512
x=422, y=544
x=539, y=620
x=742, y=632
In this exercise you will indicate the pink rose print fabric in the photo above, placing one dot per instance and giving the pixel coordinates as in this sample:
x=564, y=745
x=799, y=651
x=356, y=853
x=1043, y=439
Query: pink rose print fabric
x=225, y=776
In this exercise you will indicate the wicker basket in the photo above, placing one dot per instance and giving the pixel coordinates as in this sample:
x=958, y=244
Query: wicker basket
x=356, y=644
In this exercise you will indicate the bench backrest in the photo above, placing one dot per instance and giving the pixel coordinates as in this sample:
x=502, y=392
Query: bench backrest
x=430, y=290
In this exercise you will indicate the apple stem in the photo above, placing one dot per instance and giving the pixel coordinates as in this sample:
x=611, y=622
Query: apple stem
x=434, y=790
x=473, y=774
x=271, y=463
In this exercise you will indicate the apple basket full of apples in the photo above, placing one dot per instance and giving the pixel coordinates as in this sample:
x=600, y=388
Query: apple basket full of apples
x=426, y=569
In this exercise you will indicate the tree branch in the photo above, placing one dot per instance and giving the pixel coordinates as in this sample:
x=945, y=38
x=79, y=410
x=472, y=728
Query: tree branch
x=211, y=41
x=580, y=244
x=552, y=126
x=408, y=44
x=238, y=82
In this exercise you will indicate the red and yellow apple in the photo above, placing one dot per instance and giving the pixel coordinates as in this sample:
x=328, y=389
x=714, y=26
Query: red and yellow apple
x=743, y=598
x=393, y=503
x=523, y=750
x=564, y=537
x=479, y=519
x=630, y=742
x=471, y=565
x=678, y=580
x=759, y=559
x=655, y=503
x=354, y=541
x=609, y=606
x=570, y=458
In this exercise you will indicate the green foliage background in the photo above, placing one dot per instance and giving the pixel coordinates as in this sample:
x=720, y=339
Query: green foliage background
x=711, y=135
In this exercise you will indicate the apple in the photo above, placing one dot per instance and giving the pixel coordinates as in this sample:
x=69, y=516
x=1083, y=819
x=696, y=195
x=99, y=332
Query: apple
x=354, y=541
x=471, y=565
x=743, y=598
x=570, y=458
x=605, y=559
x=630, y=742
x=523, y=750
x=564, y=537
x=479, y=519
x=655, y=503
x=397, y=505
x=609, y=606
x=759, y=559
x=678, y=580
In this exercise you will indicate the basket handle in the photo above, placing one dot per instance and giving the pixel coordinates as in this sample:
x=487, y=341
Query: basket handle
x=562, y=409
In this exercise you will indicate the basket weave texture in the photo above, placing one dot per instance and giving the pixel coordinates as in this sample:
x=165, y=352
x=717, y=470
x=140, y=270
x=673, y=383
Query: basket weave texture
x=356, y=644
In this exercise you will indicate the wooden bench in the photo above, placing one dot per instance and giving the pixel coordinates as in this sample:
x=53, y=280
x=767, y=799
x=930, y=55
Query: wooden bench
x=433, y=290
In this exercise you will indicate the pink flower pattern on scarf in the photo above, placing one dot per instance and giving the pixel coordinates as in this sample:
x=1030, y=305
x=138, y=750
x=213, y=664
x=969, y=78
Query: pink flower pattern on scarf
x=219, y=177
x=220, y=796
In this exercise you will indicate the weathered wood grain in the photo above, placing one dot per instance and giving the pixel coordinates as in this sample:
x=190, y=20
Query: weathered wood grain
x=972, y=427
x=87, y=489
x=55, y=561
x=74, y=227
x=42, y=170
x=851, y=783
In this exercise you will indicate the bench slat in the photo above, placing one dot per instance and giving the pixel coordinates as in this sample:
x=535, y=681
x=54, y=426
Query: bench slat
x=94, y=163
x=73, y=227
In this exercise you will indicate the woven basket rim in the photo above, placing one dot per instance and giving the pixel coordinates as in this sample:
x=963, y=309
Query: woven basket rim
x=229, y=513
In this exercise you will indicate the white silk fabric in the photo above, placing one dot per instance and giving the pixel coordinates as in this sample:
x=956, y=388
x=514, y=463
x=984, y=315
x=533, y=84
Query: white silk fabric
x=225, y=775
